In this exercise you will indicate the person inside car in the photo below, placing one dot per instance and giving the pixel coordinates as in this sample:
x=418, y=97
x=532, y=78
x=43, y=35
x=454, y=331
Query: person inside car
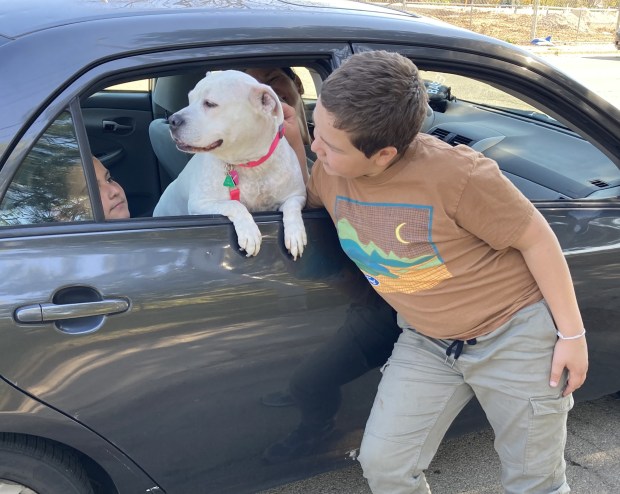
x=289, y=88
x=113, y=197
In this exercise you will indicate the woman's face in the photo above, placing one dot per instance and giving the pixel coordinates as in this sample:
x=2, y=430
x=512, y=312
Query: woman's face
x=113, y=198
x=287, y=89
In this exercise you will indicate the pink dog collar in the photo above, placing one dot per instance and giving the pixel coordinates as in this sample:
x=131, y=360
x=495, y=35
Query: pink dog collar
x=232, y=177
x=272, y=148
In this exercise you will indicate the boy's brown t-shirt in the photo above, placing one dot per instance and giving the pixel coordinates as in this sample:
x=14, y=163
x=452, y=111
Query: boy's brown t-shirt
x=432, y=235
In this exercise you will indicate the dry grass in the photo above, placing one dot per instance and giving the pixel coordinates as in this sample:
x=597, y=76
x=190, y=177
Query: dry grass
x=565, y=26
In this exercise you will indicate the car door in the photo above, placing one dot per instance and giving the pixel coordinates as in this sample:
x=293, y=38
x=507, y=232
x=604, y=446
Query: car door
x=569, y=170
x=159, y=335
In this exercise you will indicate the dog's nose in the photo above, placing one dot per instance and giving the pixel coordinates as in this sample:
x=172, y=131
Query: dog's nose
x=175, y=121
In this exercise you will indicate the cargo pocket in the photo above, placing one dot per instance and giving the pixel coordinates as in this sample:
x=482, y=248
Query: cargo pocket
x=547, y=434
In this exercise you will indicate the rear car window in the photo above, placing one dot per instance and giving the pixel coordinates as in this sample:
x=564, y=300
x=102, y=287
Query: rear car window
x=49, y=185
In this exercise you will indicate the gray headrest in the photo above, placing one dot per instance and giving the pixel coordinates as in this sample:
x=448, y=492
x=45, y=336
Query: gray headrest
x=170, y=92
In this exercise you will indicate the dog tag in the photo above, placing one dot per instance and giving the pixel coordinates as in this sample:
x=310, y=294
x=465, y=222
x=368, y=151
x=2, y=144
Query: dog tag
x=232, y=179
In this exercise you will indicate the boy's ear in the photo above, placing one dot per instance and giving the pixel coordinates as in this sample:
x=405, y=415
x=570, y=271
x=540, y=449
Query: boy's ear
x=385, y=156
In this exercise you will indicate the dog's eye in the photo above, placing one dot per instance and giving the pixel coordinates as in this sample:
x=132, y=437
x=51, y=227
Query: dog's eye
x=209, y=104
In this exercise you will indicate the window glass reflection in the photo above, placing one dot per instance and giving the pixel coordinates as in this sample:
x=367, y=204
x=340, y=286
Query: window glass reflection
x=50, y=185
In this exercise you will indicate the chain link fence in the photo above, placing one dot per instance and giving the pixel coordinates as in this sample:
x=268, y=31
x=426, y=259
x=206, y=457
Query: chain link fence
x=525, y=21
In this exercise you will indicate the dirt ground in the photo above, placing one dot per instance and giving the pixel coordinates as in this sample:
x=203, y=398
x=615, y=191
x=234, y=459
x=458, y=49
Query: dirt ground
x=564, y=26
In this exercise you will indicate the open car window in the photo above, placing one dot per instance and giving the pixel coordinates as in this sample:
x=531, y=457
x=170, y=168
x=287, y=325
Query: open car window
x=126, y=124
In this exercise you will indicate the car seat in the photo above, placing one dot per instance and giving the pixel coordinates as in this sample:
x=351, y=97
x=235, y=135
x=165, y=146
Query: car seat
x=169, y=96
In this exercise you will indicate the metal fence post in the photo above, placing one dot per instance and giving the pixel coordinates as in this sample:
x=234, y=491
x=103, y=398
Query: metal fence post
x=535, y=4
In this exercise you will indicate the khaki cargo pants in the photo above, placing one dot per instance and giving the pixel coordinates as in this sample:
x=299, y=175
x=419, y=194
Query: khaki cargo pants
x=422, y=391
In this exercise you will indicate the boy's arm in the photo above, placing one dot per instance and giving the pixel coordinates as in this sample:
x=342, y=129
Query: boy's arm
x=293, y=137
x=543, y=255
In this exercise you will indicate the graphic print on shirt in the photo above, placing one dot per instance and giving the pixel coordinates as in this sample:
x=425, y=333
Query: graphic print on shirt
x=391, y=244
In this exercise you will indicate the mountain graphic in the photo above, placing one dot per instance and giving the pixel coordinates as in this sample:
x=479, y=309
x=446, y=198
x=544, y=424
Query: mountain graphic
x=373, y=260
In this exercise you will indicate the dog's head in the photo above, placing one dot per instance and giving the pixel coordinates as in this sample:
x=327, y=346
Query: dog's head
x=229, y=114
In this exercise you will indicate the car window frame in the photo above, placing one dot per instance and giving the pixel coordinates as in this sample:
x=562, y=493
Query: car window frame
x=108, y=72
x=73, y=108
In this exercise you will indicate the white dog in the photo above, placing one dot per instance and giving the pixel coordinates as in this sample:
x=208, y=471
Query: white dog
x=242, y=162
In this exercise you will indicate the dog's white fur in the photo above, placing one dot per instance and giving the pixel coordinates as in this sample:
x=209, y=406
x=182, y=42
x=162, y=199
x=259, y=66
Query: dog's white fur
x=233, y=119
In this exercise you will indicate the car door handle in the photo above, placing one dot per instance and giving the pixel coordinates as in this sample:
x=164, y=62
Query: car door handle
x=38, y=313
x=112, y=126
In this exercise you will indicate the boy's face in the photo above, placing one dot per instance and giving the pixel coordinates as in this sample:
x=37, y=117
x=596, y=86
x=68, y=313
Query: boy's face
x=335, y=150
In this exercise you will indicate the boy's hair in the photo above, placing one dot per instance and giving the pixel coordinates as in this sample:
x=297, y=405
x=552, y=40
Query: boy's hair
x=378, y=98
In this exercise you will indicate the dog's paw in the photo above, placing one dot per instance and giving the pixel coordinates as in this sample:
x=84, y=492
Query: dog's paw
x=249, y=238
x=295, y=240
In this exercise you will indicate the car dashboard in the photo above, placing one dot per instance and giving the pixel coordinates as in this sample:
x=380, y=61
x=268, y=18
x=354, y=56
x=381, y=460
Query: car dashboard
x=544, y=159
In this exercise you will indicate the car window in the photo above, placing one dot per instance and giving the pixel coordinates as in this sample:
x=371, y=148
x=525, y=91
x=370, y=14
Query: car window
x=475, y=91
x=142, y=85
x=49, y=185
x=543, y=158
x=309, y=79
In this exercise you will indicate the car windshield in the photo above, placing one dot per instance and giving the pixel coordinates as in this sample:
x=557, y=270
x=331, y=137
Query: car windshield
x=486, y=96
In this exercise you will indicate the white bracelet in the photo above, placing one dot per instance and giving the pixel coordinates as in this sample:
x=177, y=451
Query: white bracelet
x=576, y=337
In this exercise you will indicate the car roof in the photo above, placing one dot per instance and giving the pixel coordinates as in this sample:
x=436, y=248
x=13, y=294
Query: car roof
x=46, y=45
x=23, y=17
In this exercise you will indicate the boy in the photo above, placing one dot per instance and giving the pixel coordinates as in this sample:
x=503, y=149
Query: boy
x=482, y=290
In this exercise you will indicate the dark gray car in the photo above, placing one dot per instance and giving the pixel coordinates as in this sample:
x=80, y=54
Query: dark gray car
x=134, y=353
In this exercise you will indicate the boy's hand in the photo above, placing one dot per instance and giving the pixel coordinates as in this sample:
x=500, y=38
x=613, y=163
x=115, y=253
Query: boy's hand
x=572, y=355
x=544, y=258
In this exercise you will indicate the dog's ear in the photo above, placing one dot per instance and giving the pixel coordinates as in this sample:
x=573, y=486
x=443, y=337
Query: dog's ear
x=268, y=102
x=266, y=99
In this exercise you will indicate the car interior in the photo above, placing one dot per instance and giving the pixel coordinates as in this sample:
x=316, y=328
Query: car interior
x=127, y=128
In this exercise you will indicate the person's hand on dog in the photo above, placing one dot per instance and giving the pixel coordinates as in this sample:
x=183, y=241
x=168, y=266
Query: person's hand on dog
x=292, y=133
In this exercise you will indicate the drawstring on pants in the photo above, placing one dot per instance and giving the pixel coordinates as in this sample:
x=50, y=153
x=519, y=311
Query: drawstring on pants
x=457, y=346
